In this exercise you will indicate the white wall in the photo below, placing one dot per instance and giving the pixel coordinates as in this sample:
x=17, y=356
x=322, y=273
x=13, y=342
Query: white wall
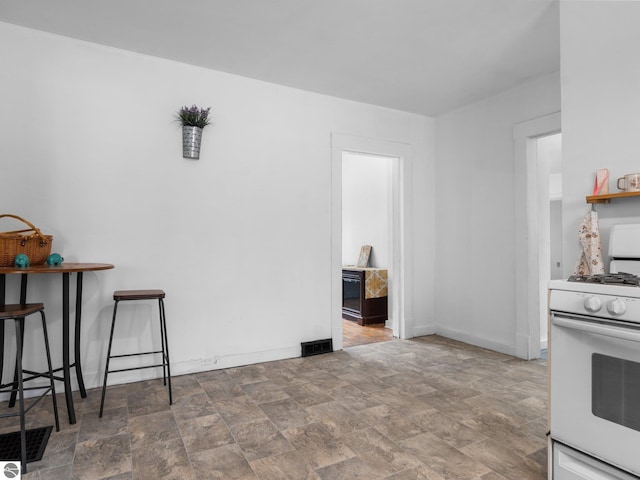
x=600, y=105
x=475, y=214
x=240, y=239
x=366, y=184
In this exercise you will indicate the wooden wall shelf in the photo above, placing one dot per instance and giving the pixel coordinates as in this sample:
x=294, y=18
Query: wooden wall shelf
x=610, y=196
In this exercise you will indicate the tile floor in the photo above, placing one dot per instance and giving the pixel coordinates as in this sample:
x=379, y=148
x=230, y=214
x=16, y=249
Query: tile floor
x=427, y=408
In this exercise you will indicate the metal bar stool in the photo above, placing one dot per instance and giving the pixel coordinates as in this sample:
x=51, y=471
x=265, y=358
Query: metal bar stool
x=128, y=295
x=18, y=314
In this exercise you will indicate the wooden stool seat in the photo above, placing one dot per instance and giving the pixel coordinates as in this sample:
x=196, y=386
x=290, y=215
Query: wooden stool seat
x=9, y=312
x=163, y=353
x=120, y=295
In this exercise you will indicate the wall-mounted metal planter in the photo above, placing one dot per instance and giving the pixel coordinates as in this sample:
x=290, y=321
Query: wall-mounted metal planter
x=191, y=138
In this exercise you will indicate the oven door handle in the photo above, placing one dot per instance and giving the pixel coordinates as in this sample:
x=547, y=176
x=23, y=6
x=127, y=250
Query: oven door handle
x=598, y=329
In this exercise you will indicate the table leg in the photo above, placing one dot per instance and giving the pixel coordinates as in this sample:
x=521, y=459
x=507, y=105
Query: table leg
x=65, y=348
x=23, y=299
x=2, y=284
x=83, y=391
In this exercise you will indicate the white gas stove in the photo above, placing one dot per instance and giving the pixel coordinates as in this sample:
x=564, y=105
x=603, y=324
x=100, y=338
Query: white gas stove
x=595, y=370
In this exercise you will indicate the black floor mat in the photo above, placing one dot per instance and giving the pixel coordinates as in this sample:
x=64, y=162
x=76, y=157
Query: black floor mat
x=37, y=439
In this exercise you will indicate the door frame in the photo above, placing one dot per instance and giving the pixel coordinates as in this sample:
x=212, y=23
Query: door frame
x=400, y=271
x=527, y=231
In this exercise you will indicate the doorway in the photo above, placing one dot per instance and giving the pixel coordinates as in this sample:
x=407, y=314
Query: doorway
x=532, y=207
x=549, y=178
x=367, y=216
x=400, y=256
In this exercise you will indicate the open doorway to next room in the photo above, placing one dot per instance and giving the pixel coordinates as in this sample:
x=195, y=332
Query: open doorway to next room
x=367, y=217
x=549, y=165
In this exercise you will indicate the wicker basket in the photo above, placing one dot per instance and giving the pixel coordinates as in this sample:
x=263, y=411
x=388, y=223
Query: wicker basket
x=31, y=241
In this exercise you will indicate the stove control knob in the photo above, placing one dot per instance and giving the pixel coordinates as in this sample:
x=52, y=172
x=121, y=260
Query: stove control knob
x=616, y=307
x=592, y=304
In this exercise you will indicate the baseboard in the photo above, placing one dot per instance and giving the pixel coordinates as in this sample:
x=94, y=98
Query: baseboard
x=95, y=379
x=423, y=330
x=477, y=341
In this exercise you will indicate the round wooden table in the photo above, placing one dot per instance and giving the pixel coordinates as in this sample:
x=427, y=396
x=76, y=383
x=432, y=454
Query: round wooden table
x=65, y=269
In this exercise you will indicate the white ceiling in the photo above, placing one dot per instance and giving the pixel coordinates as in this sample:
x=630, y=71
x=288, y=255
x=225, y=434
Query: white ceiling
x=422, y=56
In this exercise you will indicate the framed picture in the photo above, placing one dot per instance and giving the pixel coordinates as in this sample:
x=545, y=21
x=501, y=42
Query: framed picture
x=363, y=259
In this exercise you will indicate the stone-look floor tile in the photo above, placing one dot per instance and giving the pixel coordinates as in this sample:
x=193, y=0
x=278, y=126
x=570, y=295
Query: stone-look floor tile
x=148, y=401
x=453, y=386
x=42, y=414
x=520, y=391
x=239, y=410
x=391, y=424
x=539, y=457
x=402, y=402
x=324, y=380
x=338, y=419
x=282, y=376
x=260, y=439
x=60, y=450
x=102, y=458
x=409, y=383
x=184, y=386
x=286, y=466
x=535, y=406
x=501, y=459
x=450, y=405
x=493, y=476
x=286, y=413
x=113, y=422
x=364, y=381
x=498, y=428
x=353, y=468
x=204, y=433
x=220, y=376
x=193, y=406
x=115, y=397
x=519, y=414
x=222, y=389
x=222, y=463
x=163, y=460
x=248, y=374
x=419, y=473
x=380, y=453
x=62, y=472
x=263, y=392
x=307, y=394
x=444, y=459
x=538, y=427
x=153, y=428
x=455, y=433
x=353, y=398
x=317, y=445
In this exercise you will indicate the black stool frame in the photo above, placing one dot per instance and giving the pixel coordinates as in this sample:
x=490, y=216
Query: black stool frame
x=166, y=369
x=19, y=314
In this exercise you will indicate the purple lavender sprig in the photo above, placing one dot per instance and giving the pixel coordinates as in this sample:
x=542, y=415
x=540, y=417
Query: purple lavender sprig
x=194, y=116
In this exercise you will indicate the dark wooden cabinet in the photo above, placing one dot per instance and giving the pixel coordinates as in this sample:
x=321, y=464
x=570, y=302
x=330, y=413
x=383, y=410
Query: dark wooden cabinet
x=355, y=305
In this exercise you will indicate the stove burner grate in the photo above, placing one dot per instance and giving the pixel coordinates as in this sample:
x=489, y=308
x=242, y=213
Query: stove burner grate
x=621, y=278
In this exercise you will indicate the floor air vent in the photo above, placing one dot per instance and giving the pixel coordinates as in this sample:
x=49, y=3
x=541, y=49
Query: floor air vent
x=317, y=347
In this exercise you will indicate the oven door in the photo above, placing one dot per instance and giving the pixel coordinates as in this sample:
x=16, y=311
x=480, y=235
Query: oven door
x=595, y=388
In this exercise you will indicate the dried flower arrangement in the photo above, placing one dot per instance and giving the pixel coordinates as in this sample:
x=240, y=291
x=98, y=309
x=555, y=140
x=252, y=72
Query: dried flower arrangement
x=194, y=116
